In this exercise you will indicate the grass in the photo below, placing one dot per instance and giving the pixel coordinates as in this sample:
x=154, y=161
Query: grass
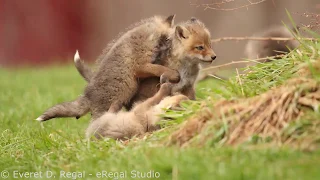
x=60, y=146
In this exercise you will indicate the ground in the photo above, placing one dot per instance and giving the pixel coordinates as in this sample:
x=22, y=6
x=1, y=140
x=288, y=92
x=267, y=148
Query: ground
x=59, y=146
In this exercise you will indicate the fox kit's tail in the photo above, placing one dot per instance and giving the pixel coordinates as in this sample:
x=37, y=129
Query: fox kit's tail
x=76, y=108
x=84, y=70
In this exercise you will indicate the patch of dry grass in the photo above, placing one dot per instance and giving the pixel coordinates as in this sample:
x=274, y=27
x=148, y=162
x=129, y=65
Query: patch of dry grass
x=266, y=115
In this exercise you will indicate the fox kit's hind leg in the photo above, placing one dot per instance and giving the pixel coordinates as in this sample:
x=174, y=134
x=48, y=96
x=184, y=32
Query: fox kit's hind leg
x=76, y=108
x=115, y=107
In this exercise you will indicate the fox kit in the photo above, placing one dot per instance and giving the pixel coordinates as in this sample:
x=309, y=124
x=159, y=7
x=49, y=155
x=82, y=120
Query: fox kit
x=188, y=46
x=141, y=119
x=120, y=66
x=261, y=49
x=256, y=49
x=181, y=50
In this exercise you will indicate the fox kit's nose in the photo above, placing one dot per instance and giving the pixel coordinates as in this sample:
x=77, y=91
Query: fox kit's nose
x=213, y=57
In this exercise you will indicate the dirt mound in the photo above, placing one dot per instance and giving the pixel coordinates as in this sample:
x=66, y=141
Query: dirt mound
x=265, y=115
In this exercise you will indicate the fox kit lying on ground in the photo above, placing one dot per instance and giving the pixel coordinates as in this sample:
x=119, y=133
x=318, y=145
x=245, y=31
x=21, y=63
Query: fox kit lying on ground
x=120, y=66
x=261, y=49
x=182, y=50
x=142, y=118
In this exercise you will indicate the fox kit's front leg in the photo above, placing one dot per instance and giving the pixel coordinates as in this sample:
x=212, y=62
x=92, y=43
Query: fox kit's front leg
x=189, y=92
x=184, y=87
x=150, y=70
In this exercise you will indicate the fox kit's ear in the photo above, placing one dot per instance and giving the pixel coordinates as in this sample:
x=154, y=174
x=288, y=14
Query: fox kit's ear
x=170, y=20
x=182, y=32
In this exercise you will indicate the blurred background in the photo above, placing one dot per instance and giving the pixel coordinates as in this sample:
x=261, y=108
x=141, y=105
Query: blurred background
x=42, y=32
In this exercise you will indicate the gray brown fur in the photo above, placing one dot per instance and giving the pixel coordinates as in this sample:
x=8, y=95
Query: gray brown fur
x=141, y=119
x=116, y=80
x=166, y=54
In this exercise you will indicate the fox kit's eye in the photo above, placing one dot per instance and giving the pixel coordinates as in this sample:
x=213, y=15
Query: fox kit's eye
x=200, y=48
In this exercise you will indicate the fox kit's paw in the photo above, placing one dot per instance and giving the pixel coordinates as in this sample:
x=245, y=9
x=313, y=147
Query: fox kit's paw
x=170, y=77
x=166, y=89
x=175, y=101
x=173, y=76
x=177, y=106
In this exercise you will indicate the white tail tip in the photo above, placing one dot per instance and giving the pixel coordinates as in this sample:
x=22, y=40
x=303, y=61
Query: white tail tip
x=39, y=119
x=76, y=57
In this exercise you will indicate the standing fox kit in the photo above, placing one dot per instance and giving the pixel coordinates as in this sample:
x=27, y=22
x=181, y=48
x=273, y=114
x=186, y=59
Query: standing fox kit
x=141, y=119
x=181, y=50
x=184, y=50
x=196, y=40
x=116, y=80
